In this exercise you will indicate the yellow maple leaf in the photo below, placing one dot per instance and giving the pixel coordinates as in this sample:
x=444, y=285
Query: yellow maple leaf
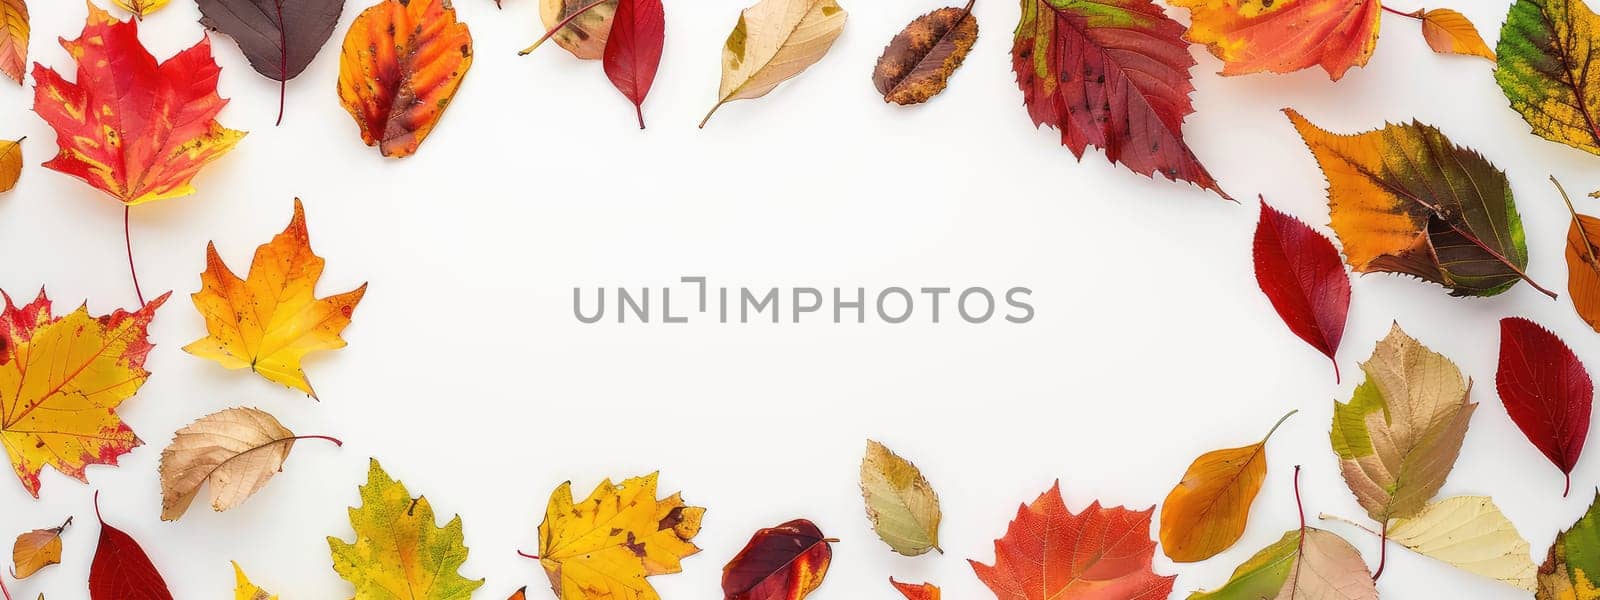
x=61, y=380
x=272, y=319
x=607, y=545
x=400, y=553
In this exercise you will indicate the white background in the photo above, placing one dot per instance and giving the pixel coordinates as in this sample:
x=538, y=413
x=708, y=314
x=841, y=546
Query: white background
x=469, y=378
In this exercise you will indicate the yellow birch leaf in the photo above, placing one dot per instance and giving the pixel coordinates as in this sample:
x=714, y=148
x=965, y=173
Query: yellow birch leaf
x=269, y=321
x=605, y=546
x=902, y=506
x=399, y=552
x=244, y=590
x=774, y=41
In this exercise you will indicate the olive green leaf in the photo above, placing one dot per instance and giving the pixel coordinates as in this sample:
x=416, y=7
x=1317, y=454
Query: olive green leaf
x=1305, y=563
x=902, y=506
x=399, y=546
x=1572, y=568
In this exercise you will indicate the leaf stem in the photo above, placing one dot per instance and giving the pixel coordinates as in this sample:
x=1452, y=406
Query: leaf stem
x=639, y=110
x=127, y=239
x=283, y=63
x=1383, y=550
x=528, y=556
x=334, y=440
x=1565, y=491
x=559, y=26
x=1300, y=506
x=64, y=525
x=1588, y=248
x=3, y=589
x=711, y=112
x=1275, y=427
x=1415, y=15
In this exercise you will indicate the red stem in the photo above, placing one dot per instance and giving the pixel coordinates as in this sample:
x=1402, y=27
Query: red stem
x=1416, y=15
x=283, y=64
x=1567, y=490
x=562, y=25
x=127, y=239
x=3, y=589
x=335, y=440
x=527, y=556
x=639, y=110
x=97, y=516
x=1383, y=551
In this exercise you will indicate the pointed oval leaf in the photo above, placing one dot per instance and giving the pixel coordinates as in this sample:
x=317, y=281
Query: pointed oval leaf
x=1449, y=32
x=401, y=64
x=902, y=506
x=10, y=163
x=1398, y=437
x=616, y=538
x=36, y=550
x=237, y=451
x=1583, y=262
x=1300, y=272
x=1207, y=511
x=1050, y=553
x=132, y=128
x=918, y=62
x=1405, y=199
x=1287, y=35
x=1471, y=534
x=926, y=591
x=786, y=562
x=244, y=590
x=121, y=570
x=774, y=41
x=1113, y=75
x=1546, y=391
x=14, y=30
x=279, y=37
x=588, y=34
x=633, y=52
x=1549, y=68
x=399, y=545
x=1304, y=563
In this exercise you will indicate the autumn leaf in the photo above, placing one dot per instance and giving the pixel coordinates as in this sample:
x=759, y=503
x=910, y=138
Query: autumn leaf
x=1583, y=261
x=1404, y=199
x=1113, y=75
x=918, y=62
x=1304, y=563
x=401, y=65
x=1449, y=32
x=902, y=506
x=1469, y=533
x=130, y=127
x=120, y=569
x=786, y=562
x=244, y=590
x=774, y=41
x=633, y=52
x=61, y=381
x=1207, y=511
x=520, y=594
x=271, y=319
x=235, y=450
x=926, y=591
x=140, y=8
x=1050, y=553
x=1285, y=36
x=10, y=162
x=1549, y=68
x=398, y=546
x=618, y=536
x=1398, y=437
x=1572, y=565
x=36, y=550
x=1546, y=391
x=279, y=37
x=14, y=30
x=1300, y=272
x=584, y=33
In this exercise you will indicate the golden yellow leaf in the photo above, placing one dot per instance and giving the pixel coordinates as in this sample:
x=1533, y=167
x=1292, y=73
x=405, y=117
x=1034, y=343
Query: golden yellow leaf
x=1449, y=32
x=774, y=41
x=13, y=38
x=269, y=321
x=140, y=8
x=36, y=550
x=244, y=590
x=1207, y=511
x=10, y=160
x=398, y=547
x=605, y=546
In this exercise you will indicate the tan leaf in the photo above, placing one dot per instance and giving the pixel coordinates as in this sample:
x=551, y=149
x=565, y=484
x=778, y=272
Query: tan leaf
x=902, y=506
x=774, y=41
x=237, y=450
x=1471, y=534
x=36, y=550
x=585, y=37
x=1398, y=437
x=1449, y=32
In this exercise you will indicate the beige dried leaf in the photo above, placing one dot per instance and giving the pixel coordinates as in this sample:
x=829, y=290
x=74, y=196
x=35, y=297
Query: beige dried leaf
x=902, y=506
x=774, y=41
x=236, y=450
x=1471, y=534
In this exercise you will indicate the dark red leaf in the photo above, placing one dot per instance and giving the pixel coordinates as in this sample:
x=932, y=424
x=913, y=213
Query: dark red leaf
x=1300, y=272
x=633, y=51
x=121, y=570
x=279, y=37
x=1546, y=391
x=780, y=563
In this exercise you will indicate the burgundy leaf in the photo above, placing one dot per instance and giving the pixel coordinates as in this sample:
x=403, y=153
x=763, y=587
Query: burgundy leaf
x=1300, y=272
x=1546, y=391
x=279, y=37
x=121, y=570
x=633, y=51
x=786, y=562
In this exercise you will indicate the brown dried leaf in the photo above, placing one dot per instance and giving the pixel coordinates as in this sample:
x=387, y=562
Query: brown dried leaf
x=917, y=63
x=237, y=450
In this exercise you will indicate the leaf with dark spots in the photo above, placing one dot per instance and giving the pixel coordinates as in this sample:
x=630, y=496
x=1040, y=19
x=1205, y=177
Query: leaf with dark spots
x=786, y=562
x=398, y=95
x=279, y=37
x=615, y=539
x=917, y=63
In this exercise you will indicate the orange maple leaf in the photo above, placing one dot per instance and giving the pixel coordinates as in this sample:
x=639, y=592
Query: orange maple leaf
x=135, y=129
x=1098, y=554
x=61, y=380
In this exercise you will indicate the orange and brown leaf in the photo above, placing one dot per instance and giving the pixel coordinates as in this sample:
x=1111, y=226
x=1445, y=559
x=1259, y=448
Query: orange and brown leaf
x=1583, y=262
x=1099, y=554
x=926, y=591
x=917, y=63
x=36, y=550
x=1449, y=32
x=401, y=65
x=271, y=319
x=1253, y=36
x=13, y=38
x=10, y=162
x=61, y=381
x=605, y=546
x=131, y=127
